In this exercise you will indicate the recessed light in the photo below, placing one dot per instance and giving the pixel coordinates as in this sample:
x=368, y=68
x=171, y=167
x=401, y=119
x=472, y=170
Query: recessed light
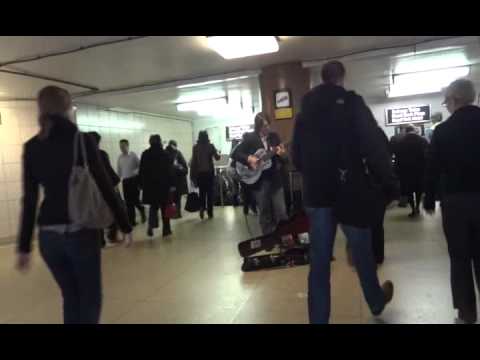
x=234, y=47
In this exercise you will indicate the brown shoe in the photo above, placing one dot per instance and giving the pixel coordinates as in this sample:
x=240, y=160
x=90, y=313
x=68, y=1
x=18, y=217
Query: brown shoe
x=387, y=288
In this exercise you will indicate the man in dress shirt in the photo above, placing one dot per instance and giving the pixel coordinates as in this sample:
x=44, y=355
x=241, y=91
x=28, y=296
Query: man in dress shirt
x=128, y=166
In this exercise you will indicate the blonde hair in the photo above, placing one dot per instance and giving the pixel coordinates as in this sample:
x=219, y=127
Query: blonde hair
x=52, y=100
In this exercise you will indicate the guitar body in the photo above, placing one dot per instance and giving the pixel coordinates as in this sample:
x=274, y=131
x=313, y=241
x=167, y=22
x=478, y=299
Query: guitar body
x=250, y=176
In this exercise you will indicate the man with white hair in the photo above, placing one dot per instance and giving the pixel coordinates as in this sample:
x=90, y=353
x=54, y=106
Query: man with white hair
x=454, y=157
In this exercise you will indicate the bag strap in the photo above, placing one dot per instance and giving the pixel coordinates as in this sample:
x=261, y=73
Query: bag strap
x=78, y=142
x=348, y=129
x=342, y=115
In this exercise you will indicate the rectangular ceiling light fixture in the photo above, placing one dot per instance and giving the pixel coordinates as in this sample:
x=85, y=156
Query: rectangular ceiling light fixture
x=211, y=82
x=425, y=82
x=204, y=107
x=234, y=47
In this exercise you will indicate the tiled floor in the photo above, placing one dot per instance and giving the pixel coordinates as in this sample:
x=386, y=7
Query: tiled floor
x=195, y=277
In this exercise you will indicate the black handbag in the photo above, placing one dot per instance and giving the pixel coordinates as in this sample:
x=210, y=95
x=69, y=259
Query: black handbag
x=193, y=202
x=358, y=198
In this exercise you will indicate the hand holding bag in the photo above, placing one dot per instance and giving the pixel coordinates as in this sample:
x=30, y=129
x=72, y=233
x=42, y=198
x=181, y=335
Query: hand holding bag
x=171, y=208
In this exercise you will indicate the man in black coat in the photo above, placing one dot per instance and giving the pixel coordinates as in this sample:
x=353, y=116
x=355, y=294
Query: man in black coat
x=268, y=190
x=113, y=230
x=332, y=120
x=180, y=171
x=410, y=153
x=454, y=162
x=156, y=180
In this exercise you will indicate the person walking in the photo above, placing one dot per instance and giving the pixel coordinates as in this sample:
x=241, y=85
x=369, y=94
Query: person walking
x=410, y=155
x=453, y=161
x=115, y=180
x=335, y=126
x=180, y=172
x=202, y=171
x=248, y=200
x=71, y=252
x=268, y=190
x=127, y=168
x=156, y=180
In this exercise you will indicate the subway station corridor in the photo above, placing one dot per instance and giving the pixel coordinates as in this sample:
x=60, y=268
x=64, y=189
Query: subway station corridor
x=194, y=277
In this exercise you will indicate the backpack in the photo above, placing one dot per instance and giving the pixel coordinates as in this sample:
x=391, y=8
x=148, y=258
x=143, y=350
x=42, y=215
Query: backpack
x=86, y=205
x=358, y=196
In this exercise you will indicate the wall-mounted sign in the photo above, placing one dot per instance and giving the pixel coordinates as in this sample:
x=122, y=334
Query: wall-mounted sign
x=283, y=104
x=236, y=132
x=407, y=115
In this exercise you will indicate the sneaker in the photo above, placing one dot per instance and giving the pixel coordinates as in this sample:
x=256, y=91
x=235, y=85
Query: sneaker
x=387, y=288
x=150, y=232
x=167, y=233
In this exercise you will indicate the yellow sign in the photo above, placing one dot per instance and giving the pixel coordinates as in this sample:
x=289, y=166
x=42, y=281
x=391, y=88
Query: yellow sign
x=284, y=113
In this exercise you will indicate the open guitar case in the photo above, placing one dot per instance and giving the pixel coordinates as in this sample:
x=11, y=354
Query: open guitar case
x=287, y=246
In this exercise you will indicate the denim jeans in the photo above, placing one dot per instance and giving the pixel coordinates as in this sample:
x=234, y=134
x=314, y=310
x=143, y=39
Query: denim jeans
x=323, y=226
x=74, y=260
x=270, y=201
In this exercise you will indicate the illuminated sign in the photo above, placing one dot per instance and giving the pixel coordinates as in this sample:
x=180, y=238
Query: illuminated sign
x=407, y=115
x=236, y=132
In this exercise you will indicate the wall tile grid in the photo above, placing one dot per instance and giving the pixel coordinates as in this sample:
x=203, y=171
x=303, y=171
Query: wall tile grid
x=19, y=123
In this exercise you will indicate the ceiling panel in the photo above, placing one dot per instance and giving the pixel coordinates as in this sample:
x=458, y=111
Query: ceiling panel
x=167, y=58
x=15, y=47
x=163, y=101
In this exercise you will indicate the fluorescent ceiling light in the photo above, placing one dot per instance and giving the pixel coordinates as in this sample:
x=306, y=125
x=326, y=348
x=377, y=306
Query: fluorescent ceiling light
x=204, y=107
x=212, y=82
x=233, y=47
x=432, y=61
x=425, y=82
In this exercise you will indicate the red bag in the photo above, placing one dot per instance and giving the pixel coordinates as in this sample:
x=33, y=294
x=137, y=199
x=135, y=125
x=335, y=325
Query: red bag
x=170, y=209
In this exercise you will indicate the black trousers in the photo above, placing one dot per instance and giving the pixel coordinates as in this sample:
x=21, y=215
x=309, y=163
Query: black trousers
x=131, y=194
x=461, y=224
x=205, y=185
x=415, y=199
x=153, y=221
x=177, y=199
x=74, y=259
x=248, y=198
x=378, y=236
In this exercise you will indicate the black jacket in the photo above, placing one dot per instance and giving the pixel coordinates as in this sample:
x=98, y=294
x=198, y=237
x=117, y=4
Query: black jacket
x=179, y=173
x=319, y=137
x=108, y=167
x=48, y=163
x=454, y=155
x=250, y=145
x=202, y=160
x=410, y=157
x=155, y=175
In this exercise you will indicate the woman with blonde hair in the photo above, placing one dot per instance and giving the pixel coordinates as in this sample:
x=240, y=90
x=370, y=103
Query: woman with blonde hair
x=71, y=251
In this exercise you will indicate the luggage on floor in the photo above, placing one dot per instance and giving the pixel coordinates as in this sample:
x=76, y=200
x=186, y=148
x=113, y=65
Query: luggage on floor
x=288, y=246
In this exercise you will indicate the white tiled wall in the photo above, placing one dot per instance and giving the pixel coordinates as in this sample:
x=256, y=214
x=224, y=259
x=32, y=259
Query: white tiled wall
x=136, y=128
x=19, y=123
